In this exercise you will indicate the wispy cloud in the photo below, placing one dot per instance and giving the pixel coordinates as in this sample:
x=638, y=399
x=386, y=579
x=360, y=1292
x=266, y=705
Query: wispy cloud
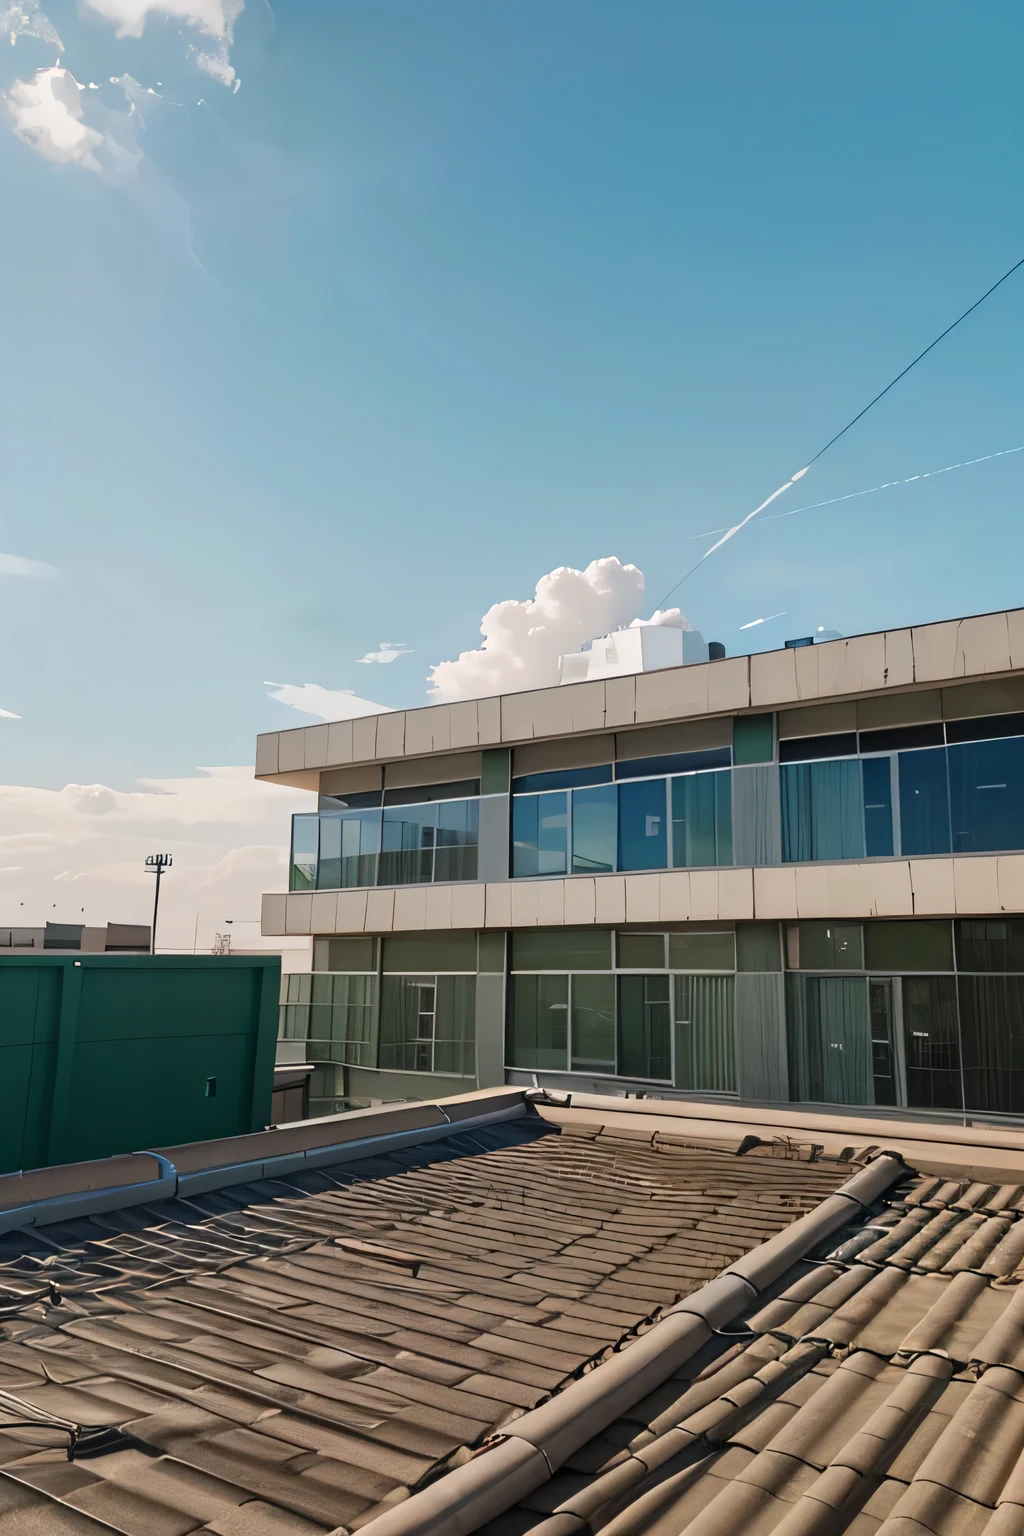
x=7, y=715
x=325, y=703
x=213, y=21
x=15, y=565
x=388, y=652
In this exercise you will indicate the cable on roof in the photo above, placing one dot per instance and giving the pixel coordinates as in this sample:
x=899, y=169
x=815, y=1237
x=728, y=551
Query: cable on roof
x=851, y=423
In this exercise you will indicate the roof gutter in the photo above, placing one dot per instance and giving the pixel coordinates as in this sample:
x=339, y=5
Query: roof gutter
x=541, y=1440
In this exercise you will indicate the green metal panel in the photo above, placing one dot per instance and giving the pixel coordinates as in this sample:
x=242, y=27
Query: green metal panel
x=753, y=739
x=114, y=1053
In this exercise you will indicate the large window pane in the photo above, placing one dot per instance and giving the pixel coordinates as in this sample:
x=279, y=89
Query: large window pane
x=407, y=1023
x=407, y=853
x=458, y=832
x=352, y=954
x=705, y=1047
x=920, y=944
x=305, y=846
x=431, y=952
x=539, y=1023
x=822, y=811
x=931, y=1044
x=353, y=1020
x=702, y=819
x=704, y=951
x=594, y=829
x=593, y=1024
x=643, y=834
x=455, y=1025
x=989, y=944
x=641, y=952
x=877, y=773
x=883, y=1053
x=986, y=795
x=924, y=801
x=992, y=1025
x=824, y=946
x=644, y=1027
x=360, y=848
x=540, y=832
x=561, y=949
x=830, y=1051
x=757, y=947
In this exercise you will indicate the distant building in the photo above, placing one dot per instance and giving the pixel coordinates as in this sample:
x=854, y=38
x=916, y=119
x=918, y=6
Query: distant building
x=68, y=938
x=789, y=877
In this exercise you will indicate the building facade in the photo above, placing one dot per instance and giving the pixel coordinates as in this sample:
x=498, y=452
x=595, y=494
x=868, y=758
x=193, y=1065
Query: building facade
x=74, y=938
x=796, y=876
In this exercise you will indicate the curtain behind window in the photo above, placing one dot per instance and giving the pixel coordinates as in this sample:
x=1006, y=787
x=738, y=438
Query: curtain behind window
x=705, y=1048
x=399, y=1023
x=455, y=1025
x=829, y=1040
x=992, y=1025
x=822, y=811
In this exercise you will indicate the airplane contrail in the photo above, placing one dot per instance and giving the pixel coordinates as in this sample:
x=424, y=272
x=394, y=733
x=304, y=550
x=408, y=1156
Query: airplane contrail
x=887, y=485
x=755, y=622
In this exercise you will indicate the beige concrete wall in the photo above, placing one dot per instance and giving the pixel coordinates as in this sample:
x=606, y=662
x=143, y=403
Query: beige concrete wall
x=926, y=656
x=968, y=885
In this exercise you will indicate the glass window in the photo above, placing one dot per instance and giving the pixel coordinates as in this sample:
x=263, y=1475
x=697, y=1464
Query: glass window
x=491, y=953
x=539, y=1023
x=641, y=951
x=705, y=1047
x=356, y=954
x=305, y=846
x=360, y=848
x=883, y=1055
x=989, y=944
x=458, y=832
x=643, y=834
x=931, y=1042
x=830, y=1049
x=430, y=952
x=561, y=778
x=825, y=946
x=594, y=829
x=757, y=947
x=407, y=1023
x=562, y=949
x=924, y=801
x=644, y=1027
x=992, y=1019
x=702, y=819
x=495, y=770
x=900, y=738
x=455, y=1025
x=593, y=1024
x=421, y=794
x=353, y=1020
x=822, y=811
x=984, y=729
x=877, y=776
x=703, y=951
x=802, y=749
x=986, y=795
x=407, y=851
x=917, y=945
x=673, y=762
x=540, y=832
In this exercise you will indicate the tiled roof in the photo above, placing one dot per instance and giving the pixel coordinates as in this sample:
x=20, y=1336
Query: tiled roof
x=292, y=1356
x=881, y=1389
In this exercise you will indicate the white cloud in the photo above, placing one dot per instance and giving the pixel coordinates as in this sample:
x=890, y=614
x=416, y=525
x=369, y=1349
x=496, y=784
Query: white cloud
x=14, y=565
x=388, y=652
x=84, y=846
x=46, y=113
x=6, y=715
x=212, y=19
x=523, y=641
x=325, y=703
x=28, y=20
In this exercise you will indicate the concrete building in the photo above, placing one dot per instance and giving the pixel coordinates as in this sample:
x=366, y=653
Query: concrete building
x=793, y=877
x=72, y=938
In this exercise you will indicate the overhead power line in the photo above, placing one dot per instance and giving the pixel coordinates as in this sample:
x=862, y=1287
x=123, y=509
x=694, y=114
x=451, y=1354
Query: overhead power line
x=731, y=532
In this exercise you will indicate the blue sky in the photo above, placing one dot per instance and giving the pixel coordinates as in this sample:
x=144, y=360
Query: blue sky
x=447, y=295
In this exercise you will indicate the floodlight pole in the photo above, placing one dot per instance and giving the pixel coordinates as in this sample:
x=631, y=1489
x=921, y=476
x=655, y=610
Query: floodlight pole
x=156, y=863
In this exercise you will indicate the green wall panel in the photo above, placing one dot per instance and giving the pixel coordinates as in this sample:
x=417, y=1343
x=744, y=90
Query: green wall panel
x=113, y=1053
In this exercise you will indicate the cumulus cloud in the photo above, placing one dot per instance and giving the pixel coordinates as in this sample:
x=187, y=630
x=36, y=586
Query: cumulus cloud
x=524, y=640
x=83, y=846
x=27, y=19
x=15, y=565
x=213, y=20
x=389, y=651
x=325, y=703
